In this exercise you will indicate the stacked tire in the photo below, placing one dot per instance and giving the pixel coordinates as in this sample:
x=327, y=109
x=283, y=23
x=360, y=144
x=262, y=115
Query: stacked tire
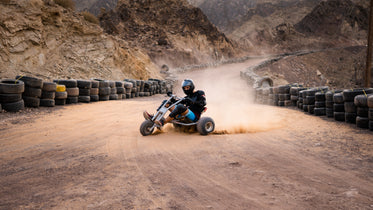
x=11, y=95
x=350, y=108
x=60, y=95
x=71, y=89
x=94, y=91
x=294, y=95
x=338, y=107
x=284, y=95
x=320, y=109
x=128, y=86
x=84, y=87
x=362, y=111
x=121, y=91
x=370, y=113
x=32, y=94
x=104, y=90
x=309, y=100
x=48, y=94
x=329, y=103
x=300, y=99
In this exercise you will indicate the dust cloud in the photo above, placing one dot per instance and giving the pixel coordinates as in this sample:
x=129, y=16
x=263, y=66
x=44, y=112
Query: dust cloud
x=230, y=101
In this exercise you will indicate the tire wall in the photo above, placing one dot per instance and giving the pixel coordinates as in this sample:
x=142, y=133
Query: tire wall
x=25, y=91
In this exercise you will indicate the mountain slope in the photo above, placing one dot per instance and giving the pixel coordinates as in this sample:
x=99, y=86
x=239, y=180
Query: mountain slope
x=43, y=39
x=172, y=31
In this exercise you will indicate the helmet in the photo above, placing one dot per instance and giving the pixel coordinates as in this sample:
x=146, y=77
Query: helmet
x=188, y=82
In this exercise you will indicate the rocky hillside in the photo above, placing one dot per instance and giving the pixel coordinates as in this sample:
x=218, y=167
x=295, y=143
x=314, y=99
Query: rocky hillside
x=95, y=6
x=172, y=32
x=290, y=25
x=43, y=39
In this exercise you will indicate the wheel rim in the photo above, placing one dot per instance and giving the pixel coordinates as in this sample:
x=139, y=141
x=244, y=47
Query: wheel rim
x=209, y=126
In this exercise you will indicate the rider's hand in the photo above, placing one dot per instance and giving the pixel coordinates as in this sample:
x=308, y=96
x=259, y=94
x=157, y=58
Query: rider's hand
x=188, y=101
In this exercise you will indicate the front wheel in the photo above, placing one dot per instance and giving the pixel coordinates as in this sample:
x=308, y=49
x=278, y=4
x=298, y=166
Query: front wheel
x=205, y=125
x=146, y=128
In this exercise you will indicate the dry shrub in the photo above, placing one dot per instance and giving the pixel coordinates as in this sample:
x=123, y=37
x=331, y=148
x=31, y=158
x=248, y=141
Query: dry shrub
x=90, y=17
x=68, y=4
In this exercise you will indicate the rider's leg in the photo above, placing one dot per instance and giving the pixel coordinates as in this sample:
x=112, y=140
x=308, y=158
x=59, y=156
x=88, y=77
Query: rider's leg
x=178, y=110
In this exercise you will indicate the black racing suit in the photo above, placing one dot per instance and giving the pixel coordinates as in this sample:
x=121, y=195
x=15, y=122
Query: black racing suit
x=196, y=102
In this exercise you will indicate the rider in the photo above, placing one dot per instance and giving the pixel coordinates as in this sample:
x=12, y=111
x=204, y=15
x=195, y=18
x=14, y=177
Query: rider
x=191, y=107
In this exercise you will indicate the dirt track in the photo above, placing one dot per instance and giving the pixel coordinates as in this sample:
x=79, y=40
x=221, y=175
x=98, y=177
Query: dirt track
x=92, y=156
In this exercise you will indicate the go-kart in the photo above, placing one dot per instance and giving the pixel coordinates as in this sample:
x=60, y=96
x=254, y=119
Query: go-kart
x=204, y=125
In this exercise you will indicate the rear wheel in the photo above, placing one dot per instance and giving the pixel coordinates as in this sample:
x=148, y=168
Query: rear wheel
x=146, y=128
x=205, y=125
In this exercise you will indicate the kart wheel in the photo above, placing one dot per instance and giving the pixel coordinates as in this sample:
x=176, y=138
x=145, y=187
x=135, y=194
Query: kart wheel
x=146, y=128
x=205, y=125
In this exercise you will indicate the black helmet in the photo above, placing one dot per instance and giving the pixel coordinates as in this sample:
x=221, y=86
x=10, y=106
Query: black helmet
x=188, y=82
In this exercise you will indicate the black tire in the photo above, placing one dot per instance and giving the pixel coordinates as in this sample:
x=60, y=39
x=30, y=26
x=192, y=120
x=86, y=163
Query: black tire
x=31, y=101
x=69, y=83
x=141, y=94
x=48, y=95
x=84, y=99
x=72, y=92
x=329, y=95
x=95, y=84
x=146, y=94
x=94, y=91
x=320, y=104
x=338, y=98
x=311, y=109
x=294, y=98
x=61, y=95
x=350, y=117
x=363, y=112
x=349, y=95
x=113, y=90
x=94, y=98
x=281, y=103
x=146, y=128
x=370, y=101
x=329, y=112
x=84, y=92
x=305, y=108
x=288, y=103
x=329, y=104
x=128, y=85
x=339, y=116
x=362, y=122
x=49, y=87
x=10, y=98
x=59, y=102
x=370, y=114
x=32, y=92
x=311, y=100
x=119, y=84
x=361, y=100
x=319, y=111
x=320, y=96
x=350, y=107
x=205, y=125
x=47, y=102
x=121, y=90
x=113, y=97
x=13, y=107
x=84, y=84
x=11, y=86
x=371, y=125
x=104, y=91
x=72, y=100
x=338, y=107
x=31, y=81
x=104, y=97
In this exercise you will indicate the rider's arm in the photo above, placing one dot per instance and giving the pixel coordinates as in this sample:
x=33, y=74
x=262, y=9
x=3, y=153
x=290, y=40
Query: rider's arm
x=201, y=99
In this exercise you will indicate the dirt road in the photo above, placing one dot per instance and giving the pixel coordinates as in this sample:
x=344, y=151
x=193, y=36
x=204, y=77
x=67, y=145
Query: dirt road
x=92, y=156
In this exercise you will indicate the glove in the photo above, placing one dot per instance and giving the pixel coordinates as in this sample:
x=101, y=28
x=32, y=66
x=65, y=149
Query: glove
x=188, y=101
